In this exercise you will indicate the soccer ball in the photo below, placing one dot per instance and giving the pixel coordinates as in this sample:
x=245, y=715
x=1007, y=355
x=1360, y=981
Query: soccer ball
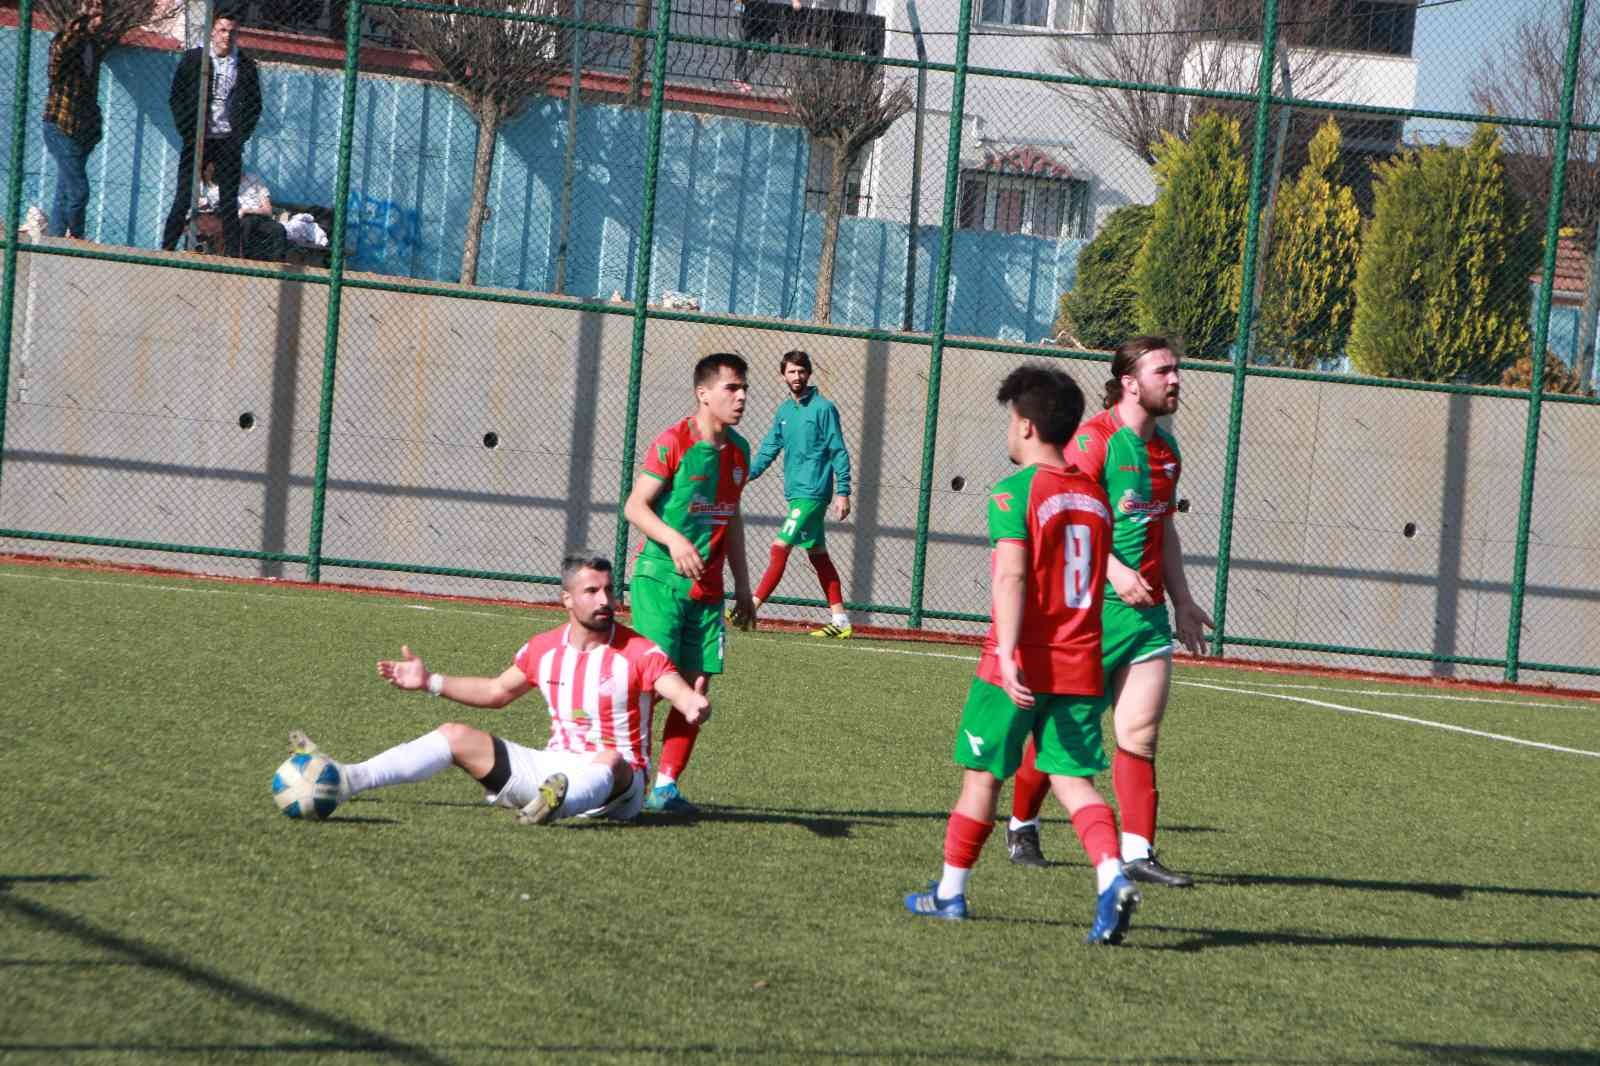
x=306, y=786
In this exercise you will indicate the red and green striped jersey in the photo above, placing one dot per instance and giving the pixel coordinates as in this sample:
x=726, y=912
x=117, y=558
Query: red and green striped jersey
x=704, y=482
x=1062, y=516
x=1141, y=481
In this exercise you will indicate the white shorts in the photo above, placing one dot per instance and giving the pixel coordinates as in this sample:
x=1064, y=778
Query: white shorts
x=530, y=767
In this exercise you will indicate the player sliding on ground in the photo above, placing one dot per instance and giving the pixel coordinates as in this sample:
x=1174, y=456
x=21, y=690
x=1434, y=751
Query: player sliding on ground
x=1136, y=459
x=599, y=679
x=816, y=467
x=686, y=503
x=1039, y=674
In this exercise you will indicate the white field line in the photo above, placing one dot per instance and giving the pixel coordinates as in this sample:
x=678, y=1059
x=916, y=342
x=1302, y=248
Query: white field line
x=1577, y=702
x=1391, y=717
x=235, y=590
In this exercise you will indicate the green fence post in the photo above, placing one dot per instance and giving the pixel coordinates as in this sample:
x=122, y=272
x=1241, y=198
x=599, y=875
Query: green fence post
x=1541, y=335
x=330, y=337
x=1241, y=345
x=641, y=286
x=941, y=301
x=19, y=134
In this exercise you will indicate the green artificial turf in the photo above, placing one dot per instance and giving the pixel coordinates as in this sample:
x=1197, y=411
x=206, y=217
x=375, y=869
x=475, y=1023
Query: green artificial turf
x=1372, y=890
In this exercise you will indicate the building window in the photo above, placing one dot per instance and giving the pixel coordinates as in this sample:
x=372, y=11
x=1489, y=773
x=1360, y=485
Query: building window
x=819, y=171
x=1040, y=207
x=1074, y=16
x=1016, y=12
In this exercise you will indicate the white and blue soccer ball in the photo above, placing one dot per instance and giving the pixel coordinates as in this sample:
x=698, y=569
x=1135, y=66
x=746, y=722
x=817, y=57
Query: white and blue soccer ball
x=306, y=786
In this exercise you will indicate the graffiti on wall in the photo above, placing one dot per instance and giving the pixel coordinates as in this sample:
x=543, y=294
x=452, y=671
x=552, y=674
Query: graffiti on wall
x=381, y=234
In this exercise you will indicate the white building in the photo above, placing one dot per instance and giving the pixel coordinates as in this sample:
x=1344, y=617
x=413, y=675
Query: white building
x=1033, y=162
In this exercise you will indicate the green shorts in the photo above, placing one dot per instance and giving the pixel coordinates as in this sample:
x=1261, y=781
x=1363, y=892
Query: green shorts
x=1132, y=634
x=690, y=632
x=802, y=528
x=1065, y=729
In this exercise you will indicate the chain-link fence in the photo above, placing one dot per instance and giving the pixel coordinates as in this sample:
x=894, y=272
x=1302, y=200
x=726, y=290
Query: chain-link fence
x=398, y=292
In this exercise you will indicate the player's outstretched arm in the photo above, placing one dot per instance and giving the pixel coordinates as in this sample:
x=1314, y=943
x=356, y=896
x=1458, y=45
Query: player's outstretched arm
x=692, y=703
x=637, y=510
x=744, y=607
x=1007, y=593
x=771, y=445
x=1189, y=621
x=410, y=674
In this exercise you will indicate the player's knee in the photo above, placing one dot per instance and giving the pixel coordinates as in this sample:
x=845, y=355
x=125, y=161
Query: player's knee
x=458, y=734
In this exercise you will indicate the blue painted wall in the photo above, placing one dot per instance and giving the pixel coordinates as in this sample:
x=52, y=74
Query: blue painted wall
x=731, y=223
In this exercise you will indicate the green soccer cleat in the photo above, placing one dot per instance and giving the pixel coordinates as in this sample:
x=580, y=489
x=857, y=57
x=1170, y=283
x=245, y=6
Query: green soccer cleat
x=668, y=800
x=833, y=632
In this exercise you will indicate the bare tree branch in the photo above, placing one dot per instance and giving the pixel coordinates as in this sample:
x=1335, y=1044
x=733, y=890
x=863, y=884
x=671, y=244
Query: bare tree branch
x=844, y=106
x=496, y=66
x=1199, y=44
x=121, y=17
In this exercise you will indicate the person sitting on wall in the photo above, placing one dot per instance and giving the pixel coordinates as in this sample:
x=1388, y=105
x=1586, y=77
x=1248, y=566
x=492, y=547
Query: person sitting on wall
x=262, y=236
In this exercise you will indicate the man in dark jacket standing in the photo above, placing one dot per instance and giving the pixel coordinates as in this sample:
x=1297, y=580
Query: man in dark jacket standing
x=232, y=104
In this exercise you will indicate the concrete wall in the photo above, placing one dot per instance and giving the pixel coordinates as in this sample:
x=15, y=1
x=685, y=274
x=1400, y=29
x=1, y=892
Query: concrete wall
x=128, y=384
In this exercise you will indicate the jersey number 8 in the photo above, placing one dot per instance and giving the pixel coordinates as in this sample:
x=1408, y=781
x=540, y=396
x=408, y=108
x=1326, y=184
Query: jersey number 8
x=1079, y=568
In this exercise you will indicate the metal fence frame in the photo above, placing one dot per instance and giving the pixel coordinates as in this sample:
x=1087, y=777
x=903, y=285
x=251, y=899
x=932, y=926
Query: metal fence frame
x=642, y=314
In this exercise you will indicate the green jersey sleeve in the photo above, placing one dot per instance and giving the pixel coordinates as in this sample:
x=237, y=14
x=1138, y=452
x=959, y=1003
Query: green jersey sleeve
x=1008, y=508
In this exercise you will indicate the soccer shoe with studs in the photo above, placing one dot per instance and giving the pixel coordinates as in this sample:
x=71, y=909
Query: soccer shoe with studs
x=833, y=632
x=929, y=905
x=544, y=805
x=300, y=744
x=1023, y=846
x=1113, y=911
x=1151, y=872
x=666, y=799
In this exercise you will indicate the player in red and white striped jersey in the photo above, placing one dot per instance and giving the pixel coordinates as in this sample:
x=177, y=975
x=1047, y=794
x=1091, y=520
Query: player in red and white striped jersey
x=599, y=679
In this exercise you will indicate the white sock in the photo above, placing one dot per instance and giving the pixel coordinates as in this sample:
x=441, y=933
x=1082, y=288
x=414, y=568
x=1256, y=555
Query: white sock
x=1105, y=872
x=663, y=779
x=587, y=788
x=403, y=764
x=1134, y=847
x=841, y=619
x=1015, y=824
x=953, y=883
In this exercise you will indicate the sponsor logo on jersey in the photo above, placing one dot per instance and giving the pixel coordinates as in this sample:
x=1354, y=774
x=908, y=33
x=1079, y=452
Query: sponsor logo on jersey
x=699, y=477
x=1002, y=500
x=1131, y=469
x=713, y=508
x=1140, y=510
x=1170, y=469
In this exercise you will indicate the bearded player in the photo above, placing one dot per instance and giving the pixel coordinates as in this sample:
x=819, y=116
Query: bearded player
x=599, y=680
x=1039, y=676
x=1136, y=460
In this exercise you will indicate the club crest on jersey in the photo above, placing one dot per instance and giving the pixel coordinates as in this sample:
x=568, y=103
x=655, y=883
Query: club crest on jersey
x=1170, y=469
x=738, y=475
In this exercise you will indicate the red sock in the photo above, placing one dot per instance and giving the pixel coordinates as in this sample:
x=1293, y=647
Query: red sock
x=1133, y=777
x=677, y=742
x=1031, y=786
x=1097, y=829
x=832, y=591
x=775, y=564
x=963, y=840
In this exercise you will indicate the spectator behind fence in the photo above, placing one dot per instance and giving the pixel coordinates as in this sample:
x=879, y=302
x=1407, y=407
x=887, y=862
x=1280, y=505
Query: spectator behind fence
x=72, y=115
x=233, y=106
x=261, y=235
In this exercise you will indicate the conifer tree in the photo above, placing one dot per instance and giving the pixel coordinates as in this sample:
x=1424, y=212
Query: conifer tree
x=1099, y=310
x=1442, y=284
x=1188, y=271
x=1309, y=299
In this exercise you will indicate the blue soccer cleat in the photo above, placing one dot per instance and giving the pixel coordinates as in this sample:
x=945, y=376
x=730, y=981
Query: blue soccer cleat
x=1113, y=912
x=929, y=905
x=668, y=800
